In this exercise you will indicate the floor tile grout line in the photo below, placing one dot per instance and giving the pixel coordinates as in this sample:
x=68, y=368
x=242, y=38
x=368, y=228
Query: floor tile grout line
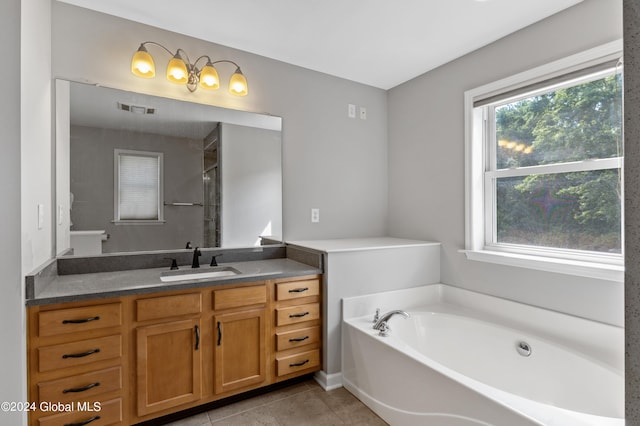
x=258, y=406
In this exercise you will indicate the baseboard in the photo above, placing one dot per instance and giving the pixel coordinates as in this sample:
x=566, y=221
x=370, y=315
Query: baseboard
x=328, y=381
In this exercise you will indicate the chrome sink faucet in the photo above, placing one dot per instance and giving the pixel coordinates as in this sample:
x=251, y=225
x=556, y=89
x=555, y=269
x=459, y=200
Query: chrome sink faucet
x=382, y=325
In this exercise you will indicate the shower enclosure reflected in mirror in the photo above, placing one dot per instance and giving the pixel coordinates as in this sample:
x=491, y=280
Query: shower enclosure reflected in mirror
x=139, y=173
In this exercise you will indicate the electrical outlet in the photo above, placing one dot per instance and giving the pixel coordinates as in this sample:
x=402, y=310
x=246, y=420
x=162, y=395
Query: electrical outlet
x=363, y=113
x=315, y=215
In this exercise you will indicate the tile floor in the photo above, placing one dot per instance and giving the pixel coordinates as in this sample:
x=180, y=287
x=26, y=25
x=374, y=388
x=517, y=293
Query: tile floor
x=302, y=404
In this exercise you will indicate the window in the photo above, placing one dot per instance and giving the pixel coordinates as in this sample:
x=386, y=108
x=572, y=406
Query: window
x=544, y=167
x=138, y=187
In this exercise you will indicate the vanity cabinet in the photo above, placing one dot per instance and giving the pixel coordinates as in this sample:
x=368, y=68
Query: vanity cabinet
x=240, y=337
x=141, y=357
x=240, y=350
x=168, y=358
x=297, y=327
x=77, y=364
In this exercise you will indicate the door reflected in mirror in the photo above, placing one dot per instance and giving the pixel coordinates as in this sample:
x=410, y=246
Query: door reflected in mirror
x=141, y=173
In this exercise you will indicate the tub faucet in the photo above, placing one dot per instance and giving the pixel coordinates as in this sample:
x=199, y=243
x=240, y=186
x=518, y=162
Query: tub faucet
x=382, y=321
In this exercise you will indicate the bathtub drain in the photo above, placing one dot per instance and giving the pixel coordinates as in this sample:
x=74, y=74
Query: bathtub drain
x=523, y=348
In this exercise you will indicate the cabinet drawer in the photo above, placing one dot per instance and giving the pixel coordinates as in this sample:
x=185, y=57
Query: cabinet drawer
x=297, y=289
x=79, y=353
x=298, y=362
x=106, y=413
x=73, y=320
x=82, y=386
x=296, y=338
x=243, y=296
x=168, y=306
x=299, y=313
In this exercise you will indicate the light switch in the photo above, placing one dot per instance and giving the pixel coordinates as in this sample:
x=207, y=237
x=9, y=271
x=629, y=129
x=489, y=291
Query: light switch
x=315, y=215
x=40, y=216
x=351, y=111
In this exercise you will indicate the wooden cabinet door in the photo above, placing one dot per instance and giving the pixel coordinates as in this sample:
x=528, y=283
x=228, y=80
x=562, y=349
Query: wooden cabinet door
x=168, y=365
x=240, y=351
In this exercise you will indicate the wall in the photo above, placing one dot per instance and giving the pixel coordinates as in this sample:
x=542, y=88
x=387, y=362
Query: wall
x=251, y=178
x=426, y=159
x=36, y=159
x=92, y=184
x=331, y=162
x=25, y=115
x=632, y=207
x=12, y=325
x=358, y=272
x=62, y=141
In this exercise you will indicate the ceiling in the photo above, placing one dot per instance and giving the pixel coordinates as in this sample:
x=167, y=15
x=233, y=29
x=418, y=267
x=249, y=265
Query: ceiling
x=95, y=106
x=380, y=43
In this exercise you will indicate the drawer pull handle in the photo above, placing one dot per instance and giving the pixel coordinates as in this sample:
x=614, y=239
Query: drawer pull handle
x=82, y=389
x=197, y=337
x=299, y=290
x=93, y=351
x=299, y=364
x=80, y=321
x=303, y=314
x=219, y=334
x=86, y=422
x=298, y=339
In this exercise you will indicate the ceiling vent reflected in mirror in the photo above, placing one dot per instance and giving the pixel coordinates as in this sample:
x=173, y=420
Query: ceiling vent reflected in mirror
x=136, y=109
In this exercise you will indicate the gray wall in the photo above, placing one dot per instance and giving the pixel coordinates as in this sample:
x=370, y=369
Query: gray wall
x=12, y=323
x=330, y=161
x=632, y=206
x=92, y=184
x=426, y=159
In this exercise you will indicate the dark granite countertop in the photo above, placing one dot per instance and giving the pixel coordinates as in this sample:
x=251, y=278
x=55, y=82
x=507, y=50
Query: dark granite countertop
x=88, y=286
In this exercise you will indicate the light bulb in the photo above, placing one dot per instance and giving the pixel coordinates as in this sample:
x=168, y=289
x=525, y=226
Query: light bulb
x=238, y=84
x=177, y=70
x=142, y=63
x=209, y=77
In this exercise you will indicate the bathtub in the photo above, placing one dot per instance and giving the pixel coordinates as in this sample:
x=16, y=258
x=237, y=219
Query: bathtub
x=467, y=359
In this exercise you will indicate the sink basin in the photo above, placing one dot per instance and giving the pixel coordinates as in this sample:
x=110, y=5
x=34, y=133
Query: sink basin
x=198, y=274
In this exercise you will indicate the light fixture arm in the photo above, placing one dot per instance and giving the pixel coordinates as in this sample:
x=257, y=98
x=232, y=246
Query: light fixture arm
x=201, y=57
x=226, y=60
x=157, y=44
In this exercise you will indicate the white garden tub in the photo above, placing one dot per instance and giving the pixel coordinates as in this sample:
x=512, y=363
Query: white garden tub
x=461, y=359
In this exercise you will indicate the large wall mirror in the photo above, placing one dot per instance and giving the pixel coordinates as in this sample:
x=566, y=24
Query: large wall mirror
x=138, y=173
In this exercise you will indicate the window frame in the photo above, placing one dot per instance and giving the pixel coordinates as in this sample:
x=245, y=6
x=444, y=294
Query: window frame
x=117, y=153
x=480, y=227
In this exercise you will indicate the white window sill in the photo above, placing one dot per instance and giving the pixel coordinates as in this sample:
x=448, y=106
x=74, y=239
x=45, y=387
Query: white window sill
x=601, y=271
x=138, y=222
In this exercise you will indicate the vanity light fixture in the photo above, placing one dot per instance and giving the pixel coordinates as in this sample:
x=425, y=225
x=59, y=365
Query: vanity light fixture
x=181, y=71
